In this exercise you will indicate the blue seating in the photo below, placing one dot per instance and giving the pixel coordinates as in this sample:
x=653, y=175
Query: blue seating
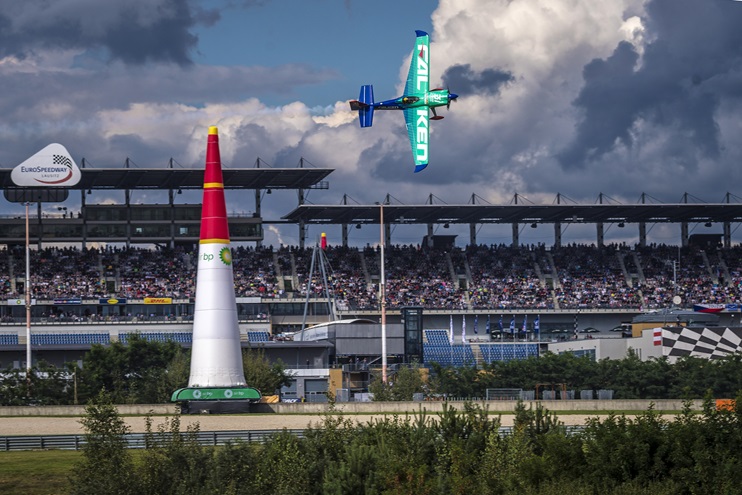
x=463, y=355
x=8, y=339
x=258, y=336
x=437, y=337
x=441, y=354
x=448, y=355
x=180, y=337
x=69, y=338
x=507, y=352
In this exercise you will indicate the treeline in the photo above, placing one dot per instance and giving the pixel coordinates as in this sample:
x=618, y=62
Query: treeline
x=145, y=372
x=141, y=372
x=629, y=378
x=454, y=452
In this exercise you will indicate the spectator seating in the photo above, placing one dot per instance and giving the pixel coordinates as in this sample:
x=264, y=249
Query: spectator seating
x=260, y=336
x=180, y=337
x=508, y=351
x=441, y=354
x=8, y=339
x=499, y=277
x=69, y=338
x=437, y=337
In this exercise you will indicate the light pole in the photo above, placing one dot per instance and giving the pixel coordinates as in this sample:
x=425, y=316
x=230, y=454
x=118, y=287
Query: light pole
x=28, y=308
x=382, y=296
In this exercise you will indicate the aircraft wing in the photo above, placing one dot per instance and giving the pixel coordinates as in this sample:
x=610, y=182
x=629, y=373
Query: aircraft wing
x=418, y=83
x=417, y=121
x=418, y=77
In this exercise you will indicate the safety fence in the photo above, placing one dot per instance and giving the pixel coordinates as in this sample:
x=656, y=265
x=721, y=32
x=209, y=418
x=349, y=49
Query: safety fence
x=136, y=440
x=142, y=440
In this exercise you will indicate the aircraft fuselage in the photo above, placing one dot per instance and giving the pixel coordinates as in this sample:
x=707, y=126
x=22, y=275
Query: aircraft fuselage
x=431, y=99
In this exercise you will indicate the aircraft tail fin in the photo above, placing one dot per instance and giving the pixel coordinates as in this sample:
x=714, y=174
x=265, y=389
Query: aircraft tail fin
x=365, y=106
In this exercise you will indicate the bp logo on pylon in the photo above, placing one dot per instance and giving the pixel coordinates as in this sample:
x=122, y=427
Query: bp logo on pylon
x=226, y=256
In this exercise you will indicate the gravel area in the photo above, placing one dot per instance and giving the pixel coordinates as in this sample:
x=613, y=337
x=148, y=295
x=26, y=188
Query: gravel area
x=71, y=425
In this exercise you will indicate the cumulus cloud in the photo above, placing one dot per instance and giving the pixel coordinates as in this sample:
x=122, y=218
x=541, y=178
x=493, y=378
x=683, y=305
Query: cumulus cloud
x=574, y=97
x=674, y=84
x=135, y=32
x=465, y=81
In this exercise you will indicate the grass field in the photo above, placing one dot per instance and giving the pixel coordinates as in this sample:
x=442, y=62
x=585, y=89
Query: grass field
x=36, y=472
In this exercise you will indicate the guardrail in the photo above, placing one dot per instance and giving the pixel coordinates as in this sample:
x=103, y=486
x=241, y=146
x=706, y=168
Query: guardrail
x=135, y=440
x=140, y=440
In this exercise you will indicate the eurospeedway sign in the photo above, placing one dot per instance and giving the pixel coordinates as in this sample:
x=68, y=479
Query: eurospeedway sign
x=51, y=167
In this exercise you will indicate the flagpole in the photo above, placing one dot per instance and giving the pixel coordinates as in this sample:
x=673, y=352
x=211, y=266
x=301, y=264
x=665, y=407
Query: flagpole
x=502, y=336
x=450, y=340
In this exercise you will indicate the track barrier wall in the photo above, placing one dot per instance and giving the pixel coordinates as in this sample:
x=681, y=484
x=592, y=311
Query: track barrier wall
x=503, y=406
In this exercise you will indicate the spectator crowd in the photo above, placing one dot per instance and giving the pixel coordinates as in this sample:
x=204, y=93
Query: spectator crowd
x=475, y=277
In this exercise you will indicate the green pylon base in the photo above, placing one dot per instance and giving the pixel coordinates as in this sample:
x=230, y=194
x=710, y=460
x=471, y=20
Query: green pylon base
x=205, y=400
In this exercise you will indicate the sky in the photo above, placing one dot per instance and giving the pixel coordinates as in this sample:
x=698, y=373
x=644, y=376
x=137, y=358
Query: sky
x=568, y=97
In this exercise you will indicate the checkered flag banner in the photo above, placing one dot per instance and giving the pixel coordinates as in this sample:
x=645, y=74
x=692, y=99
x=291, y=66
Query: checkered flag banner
x=712, y=343
x=61, y=160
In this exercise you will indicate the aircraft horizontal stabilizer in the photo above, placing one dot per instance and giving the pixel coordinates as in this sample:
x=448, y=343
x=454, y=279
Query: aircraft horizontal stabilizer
x=364, y=105
x=356, y=105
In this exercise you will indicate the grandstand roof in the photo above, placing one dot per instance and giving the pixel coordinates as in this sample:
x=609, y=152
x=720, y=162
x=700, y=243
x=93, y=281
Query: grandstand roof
x=181, y=178
x=472, y=213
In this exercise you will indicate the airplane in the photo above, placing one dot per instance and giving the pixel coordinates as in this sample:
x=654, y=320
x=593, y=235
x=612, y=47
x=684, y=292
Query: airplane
x=416, y=102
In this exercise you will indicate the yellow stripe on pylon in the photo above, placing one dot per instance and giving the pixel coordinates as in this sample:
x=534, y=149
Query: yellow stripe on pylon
x=214, y=241
x=213, y=185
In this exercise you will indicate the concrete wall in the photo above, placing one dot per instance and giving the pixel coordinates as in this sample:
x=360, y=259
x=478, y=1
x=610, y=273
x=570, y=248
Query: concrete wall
x=125, y=409
x=504, y=406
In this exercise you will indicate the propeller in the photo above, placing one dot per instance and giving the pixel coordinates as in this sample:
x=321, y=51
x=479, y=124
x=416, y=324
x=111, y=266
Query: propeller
x=451, y=97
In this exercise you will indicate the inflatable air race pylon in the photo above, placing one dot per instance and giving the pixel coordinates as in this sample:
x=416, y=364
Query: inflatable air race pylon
x=217, y=381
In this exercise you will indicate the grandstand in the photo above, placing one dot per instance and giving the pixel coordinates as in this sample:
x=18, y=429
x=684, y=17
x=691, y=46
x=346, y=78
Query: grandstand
x=85, y=296
x=76, y=285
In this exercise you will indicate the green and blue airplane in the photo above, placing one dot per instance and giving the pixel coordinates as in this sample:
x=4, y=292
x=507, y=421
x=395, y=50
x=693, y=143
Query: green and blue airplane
x=417, y=101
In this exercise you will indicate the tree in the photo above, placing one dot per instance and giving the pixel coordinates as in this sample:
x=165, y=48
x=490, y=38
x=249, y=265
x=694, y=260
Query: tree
x=132, y=373
x=401, y=386
x=262, y=374
x=13, y=387
x=49, y=385
x=466, y=381
x=174, y=461
x=106, y=465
